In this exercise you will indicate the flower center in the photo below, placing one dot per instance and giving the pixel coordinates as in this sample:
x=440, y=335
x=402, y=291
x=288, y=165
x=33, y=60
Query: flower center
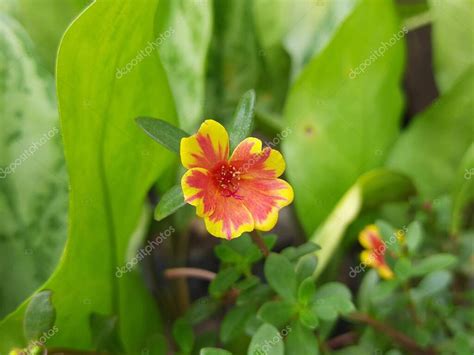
x=226, y=177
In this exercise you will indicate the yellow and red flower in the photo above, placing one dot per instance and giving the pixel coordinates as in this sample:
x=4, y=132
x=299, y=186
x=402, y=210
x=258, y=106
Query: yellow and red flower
x=237, y=194
x=374, y=255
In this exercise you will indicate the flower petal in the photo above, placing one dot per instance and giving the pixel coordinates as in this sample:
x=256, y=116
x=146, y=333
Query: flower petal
x=367, y=258
x=199, y=190
x=249, y=158
x=369, y=237
x=263, y=198
x=206, y=148
x=229, y=219
x=385, y=272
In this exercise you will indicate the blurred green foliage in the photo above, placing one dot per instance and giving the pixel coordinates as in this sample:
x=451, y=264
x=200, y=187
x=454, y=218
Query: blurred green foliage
x=322, y=79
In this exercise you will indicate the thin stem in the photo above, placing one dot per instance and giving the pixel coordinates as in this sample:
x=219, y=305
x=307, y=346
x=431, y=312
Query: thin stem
x=184, y=272
x=342, y=340
x=402, y=339
x=257, y=239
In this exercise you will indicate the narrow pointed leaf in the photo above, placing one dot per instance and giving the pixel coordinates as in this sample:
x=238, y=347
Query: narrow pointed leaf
x=171, y=201
x=242, y=123
x=166, y=134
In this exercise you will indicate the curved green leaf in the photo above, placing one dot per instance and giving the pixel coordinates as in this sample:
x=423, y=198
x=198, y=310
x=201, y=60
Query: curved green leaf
x=344, y=113
x=110, y=173
x=431, y=148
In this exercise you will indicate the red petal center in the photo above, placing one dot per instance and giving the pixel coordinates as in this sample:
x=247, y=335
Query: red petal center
x=226, y=177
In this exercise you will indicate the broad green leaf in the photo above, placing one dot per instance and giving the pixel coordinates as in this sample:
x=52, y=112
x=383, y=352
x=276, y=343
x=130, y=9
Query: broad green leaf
x=267, y=339
x=183, y=334
x=183, y=34
x=39, y=315
x=46, y=22
x=431, y=148
x=214, y=351
x=33, y=179
x=109, y=173
x=233, y=324
x=371, y=189
x=300, y=341
x=224, y=280
x=463, y=189
x=170, y=202
x=281, y=276
x=433, y=263
x=168, y=135
x=277, y=313
x=242, y=122
x=453, y=40
x=344, y=111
